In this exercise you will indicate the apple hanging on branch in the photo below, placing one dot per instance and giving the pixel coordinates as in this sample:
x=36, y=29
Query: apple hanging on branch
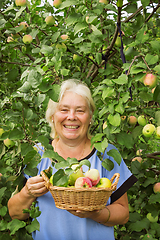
x=20, y=3
x=150, y=80
x=148, y=130
x=27, y=39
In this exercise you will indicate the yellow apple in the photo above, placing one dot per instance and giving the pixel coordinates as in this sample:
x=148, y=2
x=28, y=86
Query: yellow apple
x=104, y=183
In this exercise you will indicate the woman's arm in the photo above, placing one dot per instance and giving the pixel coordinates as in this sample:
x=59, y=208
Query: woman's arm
x=34, y=188
x=114, y=214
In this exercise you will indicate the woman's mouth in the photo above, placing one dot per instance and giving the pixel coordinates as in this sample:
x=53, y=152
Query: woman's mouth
x=71, y=126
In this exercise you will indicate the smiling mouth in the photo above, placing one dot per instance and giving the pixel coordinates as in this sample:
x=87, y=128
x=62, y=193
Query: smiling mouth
x=71, y=126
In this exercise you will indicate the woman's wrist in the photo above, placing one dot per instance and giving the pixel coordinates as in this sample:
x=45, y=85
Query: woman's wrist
x=102, y=216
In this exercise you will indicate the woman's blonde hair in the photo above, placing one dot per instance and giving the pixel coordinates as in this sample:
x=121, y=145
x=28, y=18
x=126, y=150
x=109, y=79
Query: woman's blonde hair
x=75, y=86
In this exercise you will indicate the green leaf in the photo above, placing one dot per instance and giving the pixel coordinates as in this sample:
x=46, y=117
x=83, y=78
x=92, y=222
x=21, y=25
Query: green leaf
x=145, y=3
x=2, y=190
x=65, y=72
x=55, y=36
x=154, y=198
x=3, y=211
x=116, y=155
x=108, y=164
x=53, y=155
x=62, y=164
x=20, y=12
x=97, y=137
x=79, y=27
x=54, y=92
x=157, y=117
x=122, y=79
x=29, y=156
x=16, y=134
x=26, y=87
x=96, y=31
x=155, y=44
x=67, y=3
x=145, y=96
x=72, y=19
x=107, y=92
x=151, y=59
x=101, y=146
x=156, y=96
x=45, y=49
x=85, y=162
x=114, y=120
x=60, y=178
x=138, y=226
x=33, y=226
x=15, y=225
x=125, y=139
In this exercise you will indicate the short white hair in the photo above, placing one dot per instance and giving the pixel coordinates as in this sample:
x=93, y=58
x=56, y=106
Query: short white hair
x=72, y=85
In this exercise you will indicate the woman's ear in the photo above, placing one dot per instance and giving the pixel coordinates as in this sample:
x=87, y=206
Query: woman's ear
x=52, y=119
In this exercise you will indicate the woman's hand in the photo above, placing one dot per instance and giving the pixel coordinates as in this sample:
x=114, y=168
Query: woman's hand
x=85, y=214
x=35, y=186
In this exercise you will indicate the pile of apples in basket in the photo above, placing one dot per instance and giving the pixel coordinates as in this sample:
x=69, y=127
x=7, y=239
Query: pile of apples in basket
x=89, y=179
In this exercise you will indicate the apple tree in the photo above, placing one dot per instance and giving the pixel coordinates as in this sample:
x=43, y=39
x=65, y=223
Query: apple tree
x=111, y=45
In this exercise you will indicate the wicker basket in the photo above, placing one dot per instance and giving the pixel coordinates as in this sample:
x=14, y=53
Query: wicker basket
x=86, y=199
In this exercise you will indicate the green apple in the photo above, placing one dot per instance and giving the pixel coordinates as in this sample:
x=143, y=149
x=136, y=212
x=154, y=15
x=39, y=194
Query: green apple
x=61, y=46
x=151, y=218
x=118, y=41
x=50, y=20
x=1, y=131
x=157, y=132
x=8, y=143
x=27, y=39
x=132, y=120
x=20, y=2
x=77, y=58
x=25, y=25
x=142, y=120
x=148, y=130
x=150, y=80
x=156, y=187
x=57, y=3
x=76, y=174
x=104, y=183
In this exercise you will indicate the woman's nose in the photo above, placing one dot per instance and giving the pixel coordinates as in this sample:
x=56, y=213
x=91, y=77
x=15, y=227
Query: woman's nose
x=72, y=115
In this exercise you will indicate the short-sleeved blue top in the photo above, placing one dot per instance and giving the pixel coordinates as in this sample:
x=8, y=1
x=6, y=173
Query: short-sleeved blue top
x=58, y=224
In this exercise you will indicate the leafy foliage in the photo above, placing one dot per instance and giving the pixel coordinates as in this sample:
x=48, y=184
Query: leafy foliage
x=31, y=74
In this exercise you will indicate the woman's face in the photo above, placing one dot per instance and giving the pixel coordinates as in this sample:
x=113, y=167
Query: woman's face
x=72, y=117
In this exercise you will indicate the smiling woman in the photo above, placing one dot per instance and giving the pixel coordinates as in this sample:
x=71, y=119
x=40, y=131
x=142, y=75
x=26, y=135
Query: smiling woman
x=70, y=121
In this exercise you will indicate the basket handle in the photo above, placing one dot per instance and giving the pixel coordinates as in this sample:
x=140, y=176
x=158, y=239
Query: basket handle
x=116, y=176
x=46, y=179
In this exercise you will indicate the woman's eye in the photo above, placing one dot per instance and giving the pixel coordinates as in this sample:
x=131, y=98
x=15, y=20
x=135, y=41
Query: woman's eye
x=81, y=111
x=64, y=110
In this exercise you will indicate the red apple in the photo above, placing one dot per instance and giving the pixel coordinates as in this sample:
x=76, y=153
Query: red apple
x=25, y=25
x=142, y=120
x=132, y=120
x=156, y=187
x=104, y=183
x=27, y=39
x=76, y=174
x=150, y=80
x=83, y=182
x=50, y=20
x=20, y=2
x=148, y=130
x=93, y=175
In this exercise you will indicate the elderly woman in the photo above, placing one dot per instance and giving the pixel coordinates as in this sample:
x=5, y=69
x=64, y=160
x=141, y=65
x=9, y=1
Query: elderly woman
x=70, y=120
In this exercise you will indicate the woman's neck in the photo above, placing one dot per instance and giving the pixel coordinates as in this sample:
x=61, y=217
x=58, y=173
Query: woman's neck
x=72, y=149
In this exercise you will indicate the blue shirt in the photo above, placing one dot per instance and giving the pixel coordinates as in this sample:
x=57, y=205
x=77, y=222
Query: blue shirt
x=58, y=224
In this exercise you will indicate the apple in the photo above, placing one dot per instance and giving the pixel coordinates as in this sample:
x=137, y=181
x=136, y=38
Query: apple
x=156, y=187
x=83, y=182
x=93, y=175
x=77, y=58
x=1, y=131
x=50, y=20
x=132, y=120
x=64, y=36
x=142, y=120
x=76, y=174
x=103, y=1
x=0, y=175
x=27, y=39
x=61, y=46
x=104, y=183
x=10, y=39
x=8, y=143
x=150, y=80
x=148, y=130
x=157, y=132
x=118, y=41
x=151, y=218
x=138, y=152
x=139, y=159
x=20, y=2
x=57, y=3
x=123, y=118
x=104, y=125
x=25, y=25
